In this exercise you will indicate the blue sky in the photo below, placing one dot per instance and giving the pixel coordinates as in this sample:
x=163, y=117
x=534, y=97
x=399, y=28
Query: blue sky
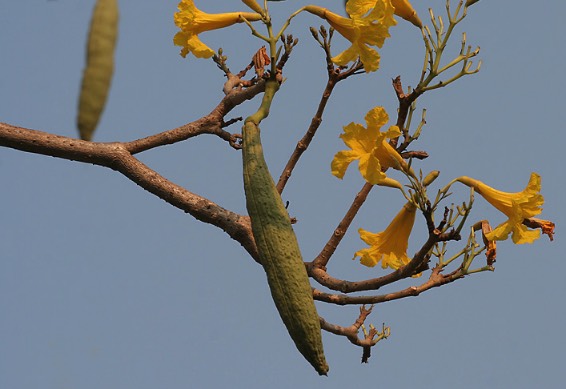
x=104, y=285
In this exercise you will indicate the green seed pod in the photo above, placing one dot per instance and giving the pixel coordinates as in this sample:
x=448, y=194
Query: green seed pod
x=279, y=253
x=97, y=74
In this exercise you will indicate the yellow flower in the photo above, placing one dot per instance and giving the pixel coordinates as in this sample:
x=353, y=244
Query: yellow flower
x=368, y=25
x=369, y=146
x=516, y=206
x=404, y=9
x=390, y=245
x=193, y=21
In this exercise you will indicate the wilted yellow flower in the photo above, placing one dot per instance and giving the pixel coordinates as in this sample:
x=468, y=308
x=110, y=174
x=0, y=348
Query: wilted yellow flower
x=368, y=25
x=193, y=21
x=546, y=226
x=369, y=146
x=516, y=206
x=490, y=245
x=390, y=245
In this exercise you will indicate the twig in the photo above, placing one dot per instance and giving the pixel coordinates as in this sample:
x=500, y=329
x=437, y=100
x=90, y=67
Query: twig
x=436, y=279
x=288, y=44
x=334, y=76
x=209, y=124
x=405, y=101
x=322, y=259
x=370, y=338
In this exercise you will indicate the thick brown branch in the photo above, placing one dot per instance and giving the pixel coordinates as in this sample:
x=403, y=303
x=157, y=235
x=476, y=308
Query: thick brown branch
x=238, y=227
x=39, y=142
x=92, y=152
x=115, y=156
x=119, y=156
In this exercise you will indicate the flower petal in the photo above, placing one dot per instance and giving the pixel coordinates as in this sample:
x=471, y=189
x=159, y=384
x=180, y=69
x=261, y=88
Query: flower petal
x=376, y=118
x=344, y=58
x=358, y=138
x=370, y=168
x=341, y=161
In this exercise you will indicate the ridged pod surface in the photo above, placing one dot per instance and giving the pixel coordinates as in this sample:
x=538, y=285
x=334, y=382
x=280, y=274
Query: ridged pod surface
x=97, y=74
x=279, y=253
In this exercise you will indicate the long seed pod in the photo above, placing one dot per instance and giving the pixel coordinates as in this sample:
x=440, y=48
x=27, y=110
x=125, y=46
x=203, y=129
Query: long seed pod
x=279, y=252
x=97, y=74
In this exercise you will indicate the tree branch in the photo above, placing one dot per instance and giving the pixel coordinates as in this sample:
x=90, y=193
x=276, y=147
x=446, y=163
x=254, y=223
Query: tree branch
x=370, y=339
x=322, y=259
x=119, y=156
x=436, y=279
x=418, y=263
x=209, y=124
x=335, y=75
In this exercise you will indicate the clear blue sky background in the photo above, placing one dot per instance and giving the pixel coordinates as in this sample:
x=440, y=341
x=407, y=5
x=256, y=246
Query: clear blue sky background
x=103, y=285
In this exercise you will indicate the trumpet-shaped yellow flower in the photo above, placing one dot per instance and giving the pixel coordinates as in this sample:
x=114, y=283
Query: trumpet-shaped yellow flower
x=193, y=21
x=390, y=245
x=368, y=25
x=369, y=146
x=516, y=206
x=404, y=9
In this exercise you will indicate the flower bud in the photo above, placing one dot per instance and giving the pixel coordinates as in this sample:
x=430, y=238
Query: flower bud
x=430, y=177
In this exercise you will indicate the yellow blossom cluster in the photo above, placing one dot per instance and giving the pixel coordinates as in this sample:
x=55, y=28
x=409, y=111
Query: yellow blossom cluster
x=366, y=28
x=367, y=25
x=375, y=155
